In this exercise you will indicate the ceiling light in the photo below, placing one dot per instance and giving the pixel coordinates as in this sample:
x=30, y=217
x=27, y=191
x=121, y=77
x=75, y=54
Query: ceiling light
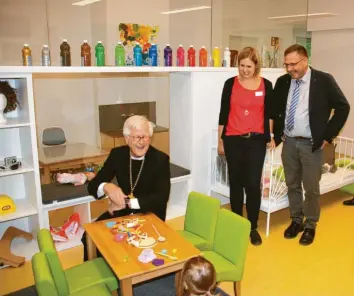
x=85, y=2
x=186, y=9
x=301, y=15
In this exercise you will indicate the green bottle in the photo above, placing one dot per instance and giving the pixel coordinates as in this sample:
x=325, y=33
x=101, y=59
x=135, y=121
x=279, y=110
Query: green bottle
x=120, y=54
x=99, y=53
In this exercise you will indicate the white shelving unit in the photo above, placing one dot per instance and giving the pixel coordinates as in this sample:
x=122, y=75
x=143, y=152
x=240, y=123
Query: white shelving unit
x=18, y=138
x=194, y=107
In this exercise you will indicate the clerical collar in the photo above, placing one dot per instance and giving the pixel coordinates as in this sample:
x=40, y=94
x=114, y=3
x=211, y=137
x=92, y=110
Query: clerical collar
x=137, y=158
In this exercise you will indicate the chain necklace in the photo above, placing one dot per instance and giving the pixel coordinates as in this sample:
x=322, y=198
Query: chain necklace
x=131, y=195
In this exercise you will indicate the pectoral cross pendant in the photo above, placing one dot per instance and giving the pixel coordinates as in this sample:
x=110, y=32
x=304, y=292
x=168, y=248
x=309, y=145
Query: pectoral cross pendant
x=131, y=195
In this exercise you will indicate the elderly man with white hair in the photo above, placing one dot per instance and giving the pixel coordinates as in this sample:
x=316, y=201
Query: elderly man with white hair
x=142, y=173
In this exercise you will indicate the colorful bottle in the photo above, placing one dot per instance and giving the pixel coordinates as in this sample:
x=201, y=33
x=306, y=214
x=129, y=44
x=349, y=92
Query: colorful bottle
x=99, y=54
x=65, y=55
x=85, y=54
x=191, y=56
x=203, y=57
x=120, y=55
x=26, y=55
x=216, y=57
x=153, y=56
x=138, y=56
x=180, y=56
x=46, y=56
x=227, y=58
x=167, y=54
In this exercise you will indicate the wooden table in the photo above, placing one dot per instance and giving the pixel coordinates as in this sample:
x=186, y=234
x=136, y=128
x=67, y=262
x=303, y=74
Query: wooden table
x=68, y=156
x=123, y=258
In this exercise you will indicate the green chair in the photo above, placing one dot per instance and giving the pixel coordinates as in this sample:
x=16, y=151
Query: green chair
x=90, y=278
x=230, y=247
x=200, y=220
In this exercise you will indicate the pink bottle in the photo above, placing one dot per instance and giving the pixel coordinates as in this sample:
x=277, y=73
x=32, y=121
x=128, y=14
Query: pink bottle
x=180, y=56
x=191, y=56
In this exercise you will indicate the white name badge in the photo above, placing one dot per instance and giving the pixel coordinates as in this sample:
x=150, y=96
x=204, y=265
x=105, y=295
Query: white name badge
x=259, y=93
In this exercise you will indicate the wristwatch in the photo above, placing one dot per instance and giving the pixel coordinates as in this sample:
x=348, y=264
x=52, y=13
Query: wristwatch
x=271, y=135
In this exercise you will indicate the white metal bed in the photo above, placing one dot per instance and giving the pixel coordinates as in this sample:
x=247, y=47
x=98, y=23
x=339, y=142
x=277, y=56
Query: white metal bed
x=274, y=190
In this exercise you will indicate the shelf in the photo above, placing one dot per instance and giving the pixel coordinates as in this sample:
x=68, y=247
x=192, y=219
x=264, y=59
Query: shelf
x=113, y=69
x=26, y=168
x=23, y=209
x=24, y=248
x=15, y=122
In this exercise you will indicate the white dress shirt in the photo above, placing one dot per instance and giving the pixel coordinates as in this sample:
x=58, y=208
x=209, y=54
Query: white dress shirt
x=134, y=203
x=302, y=119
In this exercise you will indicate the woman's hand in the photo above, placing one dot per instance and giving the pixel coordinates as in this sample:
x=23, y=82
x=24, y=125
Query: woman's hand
x=271, y=144
x=221, y=147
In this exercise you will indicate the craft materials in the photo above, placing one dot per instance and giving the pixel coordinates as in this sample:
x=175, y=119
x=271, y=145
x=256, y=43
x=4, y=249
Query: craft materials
x=166, y=255
x=159, y=238
x=158, y=262
x=147, y=256
x=110, y=224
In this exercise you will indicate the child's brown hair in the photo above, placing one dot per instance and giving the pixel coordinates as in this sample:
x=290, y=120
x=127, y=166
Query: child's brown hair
x=198, y=277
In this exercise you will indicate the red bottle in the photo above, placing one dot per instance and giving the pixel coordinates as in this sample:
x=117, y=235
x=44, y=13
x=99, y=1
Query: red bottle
x=191, y=56
x=180, y=56
x=203, y=57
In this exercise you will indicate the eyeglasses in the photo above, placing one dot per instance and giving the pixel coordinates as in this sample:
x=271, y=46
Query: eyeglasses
x=138, y=138
x=13, y=167
x=292, y=64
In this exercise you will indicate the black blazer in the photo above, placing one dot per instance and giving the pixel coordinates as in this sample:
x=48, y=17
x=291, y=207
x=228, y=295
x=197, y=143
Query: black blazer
x=153, y=187
x=325, y=95
x=225, y=105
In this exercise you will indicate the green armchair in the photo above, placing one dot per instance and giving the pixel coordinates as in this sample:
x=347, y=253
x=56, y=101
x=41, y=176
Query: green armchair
x=200, y=220
x=230, y=248
x=90, y=278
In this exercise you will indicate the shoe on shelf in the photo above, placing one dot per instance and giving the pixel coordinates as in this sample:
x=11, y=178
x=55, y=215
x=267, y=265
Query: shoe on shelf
x=307, y=237
x=256, y=239
x=349, y=202
x=293, y=230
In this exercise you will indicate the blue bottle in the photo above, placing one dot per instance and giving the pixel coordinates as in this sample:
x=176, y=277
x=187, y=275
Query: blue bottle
x=138, y=55
x=153, y=55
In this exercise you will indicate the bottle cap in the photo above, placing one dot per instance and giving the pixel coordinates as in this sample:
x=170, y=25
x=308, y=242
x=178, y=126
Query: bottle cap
x=190, y=45
x=167, y=45
x=65, y=40
x=119, y=42
x=85, y=41
x=203, y=46
x=45, y=45
x=180, y=45
x=99, y=41
x=25, y=44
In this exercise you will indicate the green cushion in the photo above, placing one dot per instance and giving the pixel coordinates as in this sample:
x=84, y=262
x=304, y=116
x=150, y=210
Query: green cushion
x=225, y=270
x=196, y=240
x=96, y=290
x=201, y=215
x=42, y=276
x=348, y=188
x=45, y=241
x=231, y=239
x=58, y=273
x=91, y=273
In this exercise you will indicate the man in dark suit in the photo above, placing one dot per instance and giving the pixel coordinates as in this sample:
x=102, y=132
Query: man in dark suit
x=303, y=102
x=142, y=173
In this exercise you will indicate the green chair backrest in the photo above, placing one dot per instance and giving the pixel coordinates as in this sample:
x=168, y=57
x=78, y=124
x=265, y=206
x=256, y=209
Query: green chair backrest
x=43, y=278
x=232, y=237
x=201, y=215
x=46, y=246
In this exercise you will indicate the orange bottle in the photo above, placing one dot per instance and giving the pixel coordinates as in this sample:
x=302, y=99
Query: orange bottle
x=26, y=55
x=203, y=57
x=85, y=54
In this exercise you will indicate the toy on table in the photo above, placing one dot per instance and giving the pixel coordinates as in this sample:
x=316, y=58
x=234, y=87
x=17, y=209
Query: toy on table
x=160, y=238
x=166, y=255
x=7, y=205
x=147, y=256
x=158, y=262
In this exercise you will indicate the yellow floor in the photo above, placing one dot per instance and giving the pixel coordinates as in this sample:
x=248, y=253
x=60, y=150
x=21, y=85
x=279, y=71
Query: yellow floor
x=282, y=267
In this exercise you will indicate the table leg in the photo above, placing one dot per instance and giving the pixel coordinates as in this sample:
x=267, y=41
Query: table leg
x=126, y=287
x=46, y=175
x=177, y=280
x=91, y=248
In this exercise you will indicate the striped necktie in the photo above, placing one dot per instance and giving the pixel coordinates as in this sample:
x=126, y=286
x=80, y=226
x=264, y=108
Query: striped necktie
x=290, y=121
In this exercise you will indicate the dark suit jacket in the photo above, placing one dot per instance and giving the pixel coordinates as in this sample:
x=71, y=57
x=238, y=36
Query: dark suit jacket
x=153, y=187
x=226, y=103
x=325, y=96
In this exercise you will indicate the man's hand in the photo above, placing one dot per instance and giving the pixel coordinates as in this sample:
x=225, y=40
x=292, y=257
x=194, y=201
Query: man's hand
x=324, y=144
x=221, y=150
x=116, y=197
x=271, y=145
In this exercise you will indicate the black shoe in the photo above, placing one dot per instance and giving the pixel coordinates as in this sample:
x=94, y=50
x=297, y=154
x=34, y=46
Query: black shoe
x=349, y=202
x=307, y=237
x=256, y=239
x=293, y=230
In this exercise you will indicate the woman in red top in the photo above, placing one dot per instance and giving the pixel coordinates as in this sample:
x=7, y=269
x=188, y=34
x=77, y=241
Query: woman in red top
x=244, y=132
